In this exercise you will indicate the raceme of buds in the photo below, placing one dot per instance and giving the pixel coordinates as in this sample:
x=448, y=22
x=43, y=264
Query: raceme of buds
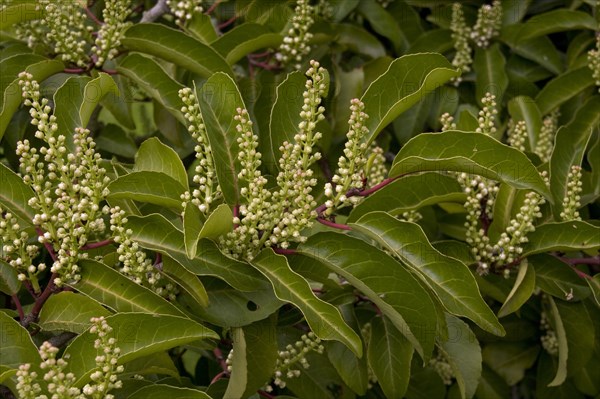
x=460, y=37
x=441, y=366
x=549, y=340
x=295, y=43
x=349, y=174
x=545, y=143
x=447, y=121
x=67, y=31
x=487, y=115
x=184, y=9
x=411, y=216
x=594, y=61
x=109, y=35
x=572, y=201
x=489, y=21
x=376, y=170
x=517, y=134
x=205, y=174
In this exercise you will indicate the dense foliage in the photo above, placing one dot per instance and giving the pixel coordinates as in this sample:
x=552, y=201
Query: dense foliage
x=303, y=199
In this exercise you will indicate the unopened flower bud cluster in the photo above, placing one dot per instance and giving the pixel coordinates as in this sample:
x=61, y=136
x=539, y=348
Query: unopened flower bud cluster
x=350, y=171
x=460, y=37
x=69, y=186
x=294, y=356
x=441, y=366
x=205, y=175
x=377, y=170
x=447, y=122
x=572, y=200
x=60, y=385
x=489, y=21
x=549, y=339
x=184, y=10
x=545, y=143
x=487, y=115
x=110, y=33
x=295, y=43
x=67, y=31
x=594, y=61
x=517, y=134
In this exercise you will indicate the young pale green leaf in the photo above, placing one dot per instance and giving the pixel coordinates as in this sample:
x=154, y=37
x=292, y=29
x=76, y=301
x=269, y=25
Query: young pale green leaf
x=386, y=97
x=464, y=355
x=12, y=96
x=323, y=318
x=156, y=233
x=95, y=91
x=510, y=359
x=192, y=224
x=389, y=355
x=202, y=28
x=569, y=148
x=67, y=311
x=17, y=347
x=562, y=88
x=175, y=46
x=185, y=279
x=449, y=278
x=152, y=187
x=551, y=22
x=410, y=192
x=167, y=391
x=524, y=108
x=594, y=284
x=563, y=347
x=254, y=358
x=557, y=278
x=245, y=39
x=219, y=98
x=471, y=153
x=392, y=289
x=114, y=290
x=562, y=236
x=15, y=194
x=17, y=12
x=9, y=281
x=137, y=335
x=6, y=373
x=155, y=82
x=154, y=156
x=218, y=222
x=521, y=291
x=490, y=72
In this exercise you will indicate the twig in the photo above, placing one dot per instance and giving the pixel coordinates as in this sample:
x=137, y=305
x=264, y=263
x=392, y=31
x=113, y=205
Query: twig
x=582, y=261
x=159, y=9
x=329, y=223
x=218, y=377
x=17, y=302
x=111, y=71
x=212, y=7
x=47, y=245
x=93, y=17
x=283, y=251
x=98, y=244
x=379, y=186
x=39, y=302
x=227, y=23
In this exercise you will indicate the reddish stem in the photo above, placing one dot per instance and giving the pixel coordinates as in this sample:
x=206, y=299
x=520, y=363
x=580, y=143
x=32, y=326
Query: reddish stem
x=265, y=395
x=376, y=187
x=17, y=302
x=212, y=8
x=580, y=273
x=582, y=261
x=93, y=17
x=110, y=71
x=282, y=251
x=227, y=23
x=219, y=356
x=263, y=65
x=74, y=70
x=218, y=377
x=27, y=284
x=49, y=247
x=339, y=226
x=39, y=302
x=98, y=244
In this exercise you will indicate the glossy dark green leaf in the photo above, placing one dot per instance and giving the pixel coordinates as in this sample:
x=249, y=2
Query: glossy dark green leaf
x=557, y=278
x=17, y=12
x=525, y=109
x=219, y=98
x=152, y=187
x=393, y=289
x=168, y=391
x=437, y=40
x=384, y=24
x=562, y=88
x=540, y=50
x=389, y=355
x=490, y=72
x=562, y=236
x=324, y=319
x=449, y=278
x=186, y=280
x=138, y=335
x=492, y=386
x=358, y=40
x=17, y=347
x=67, y=311
x=510, y=359
x=202, y=28
x=175, y=46
x=114, y=290
x=94, y=92
x=154, y=156
x=470, y=153
x=551, y=22
x=9, y=281
x=390, y=95
x=68, y=98
x=410, y=192
x=157, y=363
x=245, y=39
x=521, y=291
x=546, y=370
x=154, y=80
x=15, y=194
x=192, y=224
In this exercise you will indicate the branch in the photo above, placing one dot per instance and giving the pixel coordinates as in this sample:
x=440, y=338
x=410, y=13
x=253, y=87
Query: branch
x=582, y=261
x=98, y=244
x=93, y=17
x=17, y=302
x=339, y=226
x=212, y=7
x=39, y=302
x=159, y=9
x=282, y=251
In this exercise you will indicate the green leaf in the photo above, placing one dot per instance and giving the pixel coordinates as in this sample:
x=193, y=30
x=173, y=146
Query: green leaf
x=157, y=363
x=152, y=187
x=154, y=81
x=219, y=98
x=323, y=318
x=15, y=194
x=186, y=280
x=436, y=40
x=96, y=90
x=464, y=355
x=562, y=88
x=580, y=334
x=352, y=369
x=449, y=278
x=387, y=97
x=390, y=355
x=551, y=22
x=12, y=14
x=470, y=153
x=563, y=347
x=67, y=311
x=521, y=291
x=219, y=222
x=202, y=28
x=245, y=39
x=138, y=335
x=510, y=359
x=17, y=347
x=492, y=386
x=9, y=281
x=562, y=236
x=392, y=289
x=119, y=293
x=384, y=24
x=192, y=224
x=569, y=147
x=254, y=358
x=67, y=101
x=490, y=72
x=12, y=93
x=175, y=46
x=154, y=156
x=156, y=233
x=524, y=108
x=410, y=192
x=167, y=391
x=358, y=40
x=6, y=373
x=557, y=278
